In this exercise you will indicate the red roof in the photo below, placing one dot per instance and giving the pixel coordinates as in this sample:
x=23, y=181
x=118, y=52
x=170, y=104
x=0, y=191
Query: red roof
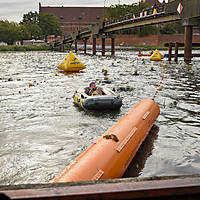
x=81, y=15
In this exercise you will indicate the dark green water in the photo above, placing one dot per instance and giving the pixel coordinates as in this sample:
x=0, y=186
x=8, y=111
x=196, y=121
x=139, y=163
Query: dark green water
x=41, y=130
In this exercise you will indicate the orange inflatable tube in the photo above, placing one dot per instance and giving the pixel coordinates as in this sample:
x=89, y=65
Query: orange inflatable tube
x=109, y=156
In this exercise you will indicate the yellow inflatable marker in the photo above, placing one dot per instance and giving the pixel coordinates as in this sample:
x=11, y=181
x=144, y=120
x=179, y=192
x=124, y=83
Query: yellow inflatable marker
x=156, y=56
x=71, y=64
x=154, y=11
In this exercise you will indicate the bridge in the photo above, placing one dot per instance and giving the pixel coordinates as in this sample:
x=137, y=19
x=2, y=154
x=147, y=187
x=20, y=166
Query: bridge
x=186, y=11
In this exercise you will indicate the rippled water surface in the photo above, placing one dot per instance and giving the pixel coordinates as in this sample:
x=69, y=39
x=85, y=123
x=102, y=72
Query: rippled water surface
x=41, y=130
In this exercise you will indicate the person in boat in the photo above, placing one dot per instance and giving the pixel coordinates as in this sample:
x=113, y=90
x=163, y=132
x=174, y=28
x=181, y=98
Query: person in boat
x=94, y=90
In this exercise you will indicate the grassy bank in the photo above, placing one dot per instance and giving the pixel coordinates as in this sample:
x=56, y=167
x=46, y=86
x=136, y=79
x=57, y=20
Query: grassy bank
x=66, y=48
x=30, y=48
x=162, y=48
x=152, y=47
x=24, y=48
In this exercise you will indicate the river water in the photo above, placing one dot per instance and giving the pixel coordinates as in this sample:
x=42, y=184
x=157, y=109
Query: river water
x=42, y=131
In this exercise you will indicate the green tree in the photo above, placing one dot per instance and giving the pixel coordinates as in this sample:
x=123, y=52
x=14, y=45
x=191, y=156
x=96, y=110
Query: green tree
x=49, y=24
x=171, y=28
x=41, y=25
x=34, y=30
x=10, y=32
x=31, y=22
x=24, y=33
x=115, y=11
x=30, y=17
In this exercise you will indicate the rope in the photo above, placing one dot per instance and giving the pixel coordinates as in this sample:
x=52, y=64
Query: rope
x=159, y=88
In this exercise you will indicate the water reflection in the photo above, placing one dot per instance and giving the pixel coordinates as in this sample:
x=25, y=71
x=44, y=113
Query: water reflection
x=145, y=150
x=41, y=130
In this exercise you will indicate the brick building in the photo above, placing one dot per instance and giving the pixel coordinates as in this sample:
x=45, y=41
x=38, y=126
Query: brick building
x=71, y=18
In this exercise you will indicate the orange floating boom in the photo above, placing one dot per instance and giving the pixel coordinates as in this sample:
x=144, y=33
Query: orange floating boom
x=110, y=155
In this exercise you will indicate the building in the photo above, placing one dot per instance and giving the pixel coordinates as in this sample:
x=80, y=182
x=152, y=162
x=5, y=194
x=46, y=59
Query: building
x=72, y=18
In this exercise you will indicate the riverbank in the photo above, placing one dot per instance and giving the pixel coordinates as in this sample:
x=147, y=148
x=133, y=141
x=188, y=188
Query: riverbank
x=25, y=48
x=80, y=47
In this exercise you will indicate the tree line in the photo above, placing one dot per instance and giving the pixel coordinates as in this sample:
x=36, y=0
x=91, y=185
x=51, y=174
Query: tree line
x=33, y=26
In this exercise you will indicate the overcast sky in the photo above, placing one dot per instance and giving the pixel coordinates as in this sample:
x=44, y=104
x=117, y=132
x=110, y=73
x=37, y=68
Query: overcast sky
x=13, y=10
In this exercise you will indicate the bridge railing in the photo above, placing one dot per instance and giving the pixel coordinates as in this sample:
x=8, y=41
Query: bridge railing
x=130, y=17
x=133, y=16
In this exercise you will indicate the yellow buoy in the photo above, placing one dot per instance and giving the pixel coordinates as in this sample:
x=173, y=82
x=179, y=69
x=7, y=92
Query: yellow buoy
x=71, y=64
x=156, y=56
x=154, y=11
x=159, y=88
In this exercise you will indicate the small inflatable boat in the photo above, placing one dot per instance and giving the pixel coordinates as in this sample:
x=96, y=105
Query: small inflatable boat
x=109, y=100
x=142, y=54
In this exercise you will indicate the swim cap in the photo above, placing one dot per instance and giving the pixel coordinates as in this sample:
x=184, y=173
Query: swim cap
x=92, y=83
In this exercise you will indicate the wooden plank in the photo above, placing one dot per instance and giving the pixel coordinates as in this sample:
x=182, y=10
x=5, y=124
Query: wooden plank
x=160, y=188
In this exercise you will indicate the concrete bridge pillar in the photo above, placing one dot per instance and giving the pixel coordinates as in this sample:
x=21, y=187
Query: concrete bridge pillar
x=94, y=47
x=85, y=46
x=62, y=48
x=188, y=43
x=170, y=52
x=176, y=52
x=112, y=46
x=103, y=46
x=76, y=48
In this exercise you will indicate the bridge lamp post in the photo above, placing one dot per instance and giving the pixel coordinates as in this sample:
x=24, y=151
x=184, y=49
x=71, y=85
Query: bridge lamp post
x=104, y=10
x=80, y=17
x=119, y=10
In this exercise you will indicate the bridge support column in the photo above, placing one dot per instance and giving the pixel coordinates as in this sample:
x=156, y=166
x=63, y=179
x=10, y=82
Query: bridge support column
x=62, y=48
x=76, y=49
x=103, y=46
x=170, y=52
x=176, y=52
x=85, y=46
x=94, y=50
x=112, y=46
x=188, y=43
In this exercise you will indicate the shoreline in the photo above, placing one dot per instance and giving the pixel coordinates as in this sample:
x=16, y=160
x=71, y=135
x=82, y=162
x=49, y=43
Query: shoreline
x=23, y=48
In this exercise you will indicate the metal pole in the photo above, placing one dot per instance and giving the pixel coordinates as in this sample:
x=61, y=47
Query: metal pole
x=104, y=10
